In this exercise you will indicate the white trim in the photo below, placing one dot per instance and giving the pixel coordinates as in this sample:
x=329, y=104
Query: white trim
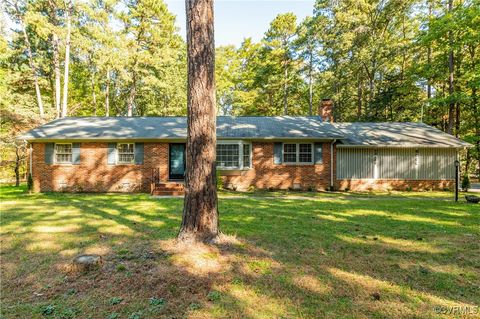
x=297, y=154
x=55, y=153
x=331, y=162
x=117, y=162
x=376, y=167
x=240, y=144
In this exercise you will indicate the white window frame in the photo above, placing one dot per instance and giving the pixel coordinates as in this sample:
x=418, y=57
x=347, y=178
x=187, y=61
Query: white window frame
x=55, y=153
x=297, y=154
x=240, y=144
x=118, y=154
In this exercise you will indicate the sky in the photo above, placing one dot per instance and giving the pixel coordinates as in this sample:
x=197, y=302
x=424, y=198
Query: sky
x=236, y=20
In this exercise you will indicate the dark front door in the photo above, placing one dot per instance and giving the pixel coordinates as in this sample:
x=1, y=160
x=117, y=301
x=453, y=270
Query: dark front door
x=176, y=161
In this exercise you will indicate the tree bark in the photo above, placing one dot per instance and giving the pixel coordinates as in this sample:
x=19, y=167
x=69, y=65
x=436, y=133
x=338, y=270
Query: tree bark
x=31, y=62
x=200, y=212
x=285, y=88
x=17, y=166
x=56, y=71
x=68, y=8
x=310, y=85
x=429, y=59
x=451, y=109
x=131, y=96
x=359, y=98
x=94, y=96
x=107, y=94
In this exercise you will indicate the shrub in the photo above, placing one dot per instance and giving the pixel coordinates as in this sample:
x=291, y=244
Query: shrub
x=465, y=183
x=30, y=183
x=115, y=301
x=48, y=310
x=214, y=295
x=220, y=185
x=194, y=306
x=409, y=188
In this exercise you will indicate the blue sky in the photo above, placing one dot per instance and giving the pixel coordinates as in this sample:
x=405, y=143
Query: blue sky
x=239, y=19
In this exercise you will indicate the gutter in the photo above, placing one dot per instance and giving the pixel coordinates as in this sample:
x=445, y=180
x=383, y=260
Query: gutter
x=403, y=146
x=331, y=163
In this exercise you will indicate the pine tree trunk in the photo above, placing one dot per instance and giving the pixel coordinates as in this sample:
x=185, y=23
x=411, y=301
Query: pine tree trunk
x=359, y=98
x=67, y=59
x=285, y=89
x=17, y=166
x=94, y=96
x=200, y=213
x=429, y=59
x=107, y=94
x=451, y=109
x=31, y=64
x=310, y=86
x=56, y=71
x=131, y=97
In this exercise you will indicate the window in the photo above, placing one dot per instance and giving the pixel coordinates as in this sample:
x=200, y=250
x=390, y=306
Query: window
x=305, y=153
x=228, y=155
x=294, y=153
x=234, y=155
x=290, y=153
x=126, y=153
x=63, y=153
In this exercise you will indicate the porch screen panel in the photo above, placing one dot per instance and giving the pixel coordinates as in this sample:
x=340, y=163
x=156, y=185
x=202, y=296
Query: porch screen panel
x=396, y=163
x=355, y=163
x=436, y=163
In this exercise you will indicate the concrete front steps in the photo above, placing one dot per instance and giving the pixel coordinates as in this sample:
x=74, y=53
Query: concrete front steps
x=168, y=189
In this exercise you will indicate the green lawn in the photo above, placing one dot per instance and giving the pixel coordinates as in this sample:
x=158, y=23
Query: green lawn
x=326, y=256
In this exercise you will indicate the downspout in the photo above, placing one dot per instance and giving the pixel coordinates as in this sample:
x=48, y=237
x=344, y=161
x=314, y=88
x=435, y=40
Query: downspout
x=331, y=164
x=31, y=160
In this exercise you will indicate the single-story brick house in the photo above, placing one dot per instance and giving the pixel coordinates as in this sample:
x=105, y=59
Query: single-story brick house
x=147, y=154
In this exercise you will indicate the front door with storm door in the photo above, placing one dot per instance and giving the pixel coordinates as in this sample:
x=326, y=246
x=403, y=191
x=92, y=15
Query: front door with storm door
x=176, y=162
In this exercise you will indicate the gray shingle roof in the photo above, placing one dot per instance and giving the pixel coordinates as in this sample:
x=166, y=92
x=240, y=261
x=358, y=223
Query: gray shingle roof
x=248, y=127
x=387, y=134
x=395, y=134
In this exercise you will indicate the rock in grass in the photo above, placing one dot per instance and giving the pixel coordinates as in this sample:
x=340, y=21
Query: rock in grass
x=87, y=262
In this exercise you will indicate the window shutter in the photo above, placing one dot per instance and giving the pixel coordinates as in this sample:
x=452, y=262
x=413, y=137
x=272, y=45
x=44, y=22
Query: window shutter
x=318, y=153
x=76, y=153
x=49, y=153
x=112, y=153
x=138, y=153
x=277, y=153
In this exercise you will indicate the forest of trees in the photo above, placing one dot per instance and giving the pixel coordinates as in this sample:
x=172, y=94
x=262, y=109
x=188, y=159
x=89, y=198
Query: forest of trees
x=379, y=60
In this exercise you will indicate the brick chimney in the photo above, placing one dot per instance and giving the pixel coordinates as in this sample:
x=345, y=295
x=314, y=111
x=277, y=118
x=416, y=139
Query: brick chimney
x=325, y=110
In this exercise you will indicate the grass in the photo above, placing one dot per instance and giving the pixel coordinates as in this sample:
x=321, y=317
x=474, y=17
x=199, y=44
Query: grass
x=334, y=256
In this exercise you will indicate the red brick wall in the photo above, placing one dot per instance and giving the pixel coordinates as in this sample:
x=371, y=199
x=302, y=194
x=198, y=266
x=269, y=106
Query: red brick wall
x=265, y=174
x=93, y=174
x=400, y=185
